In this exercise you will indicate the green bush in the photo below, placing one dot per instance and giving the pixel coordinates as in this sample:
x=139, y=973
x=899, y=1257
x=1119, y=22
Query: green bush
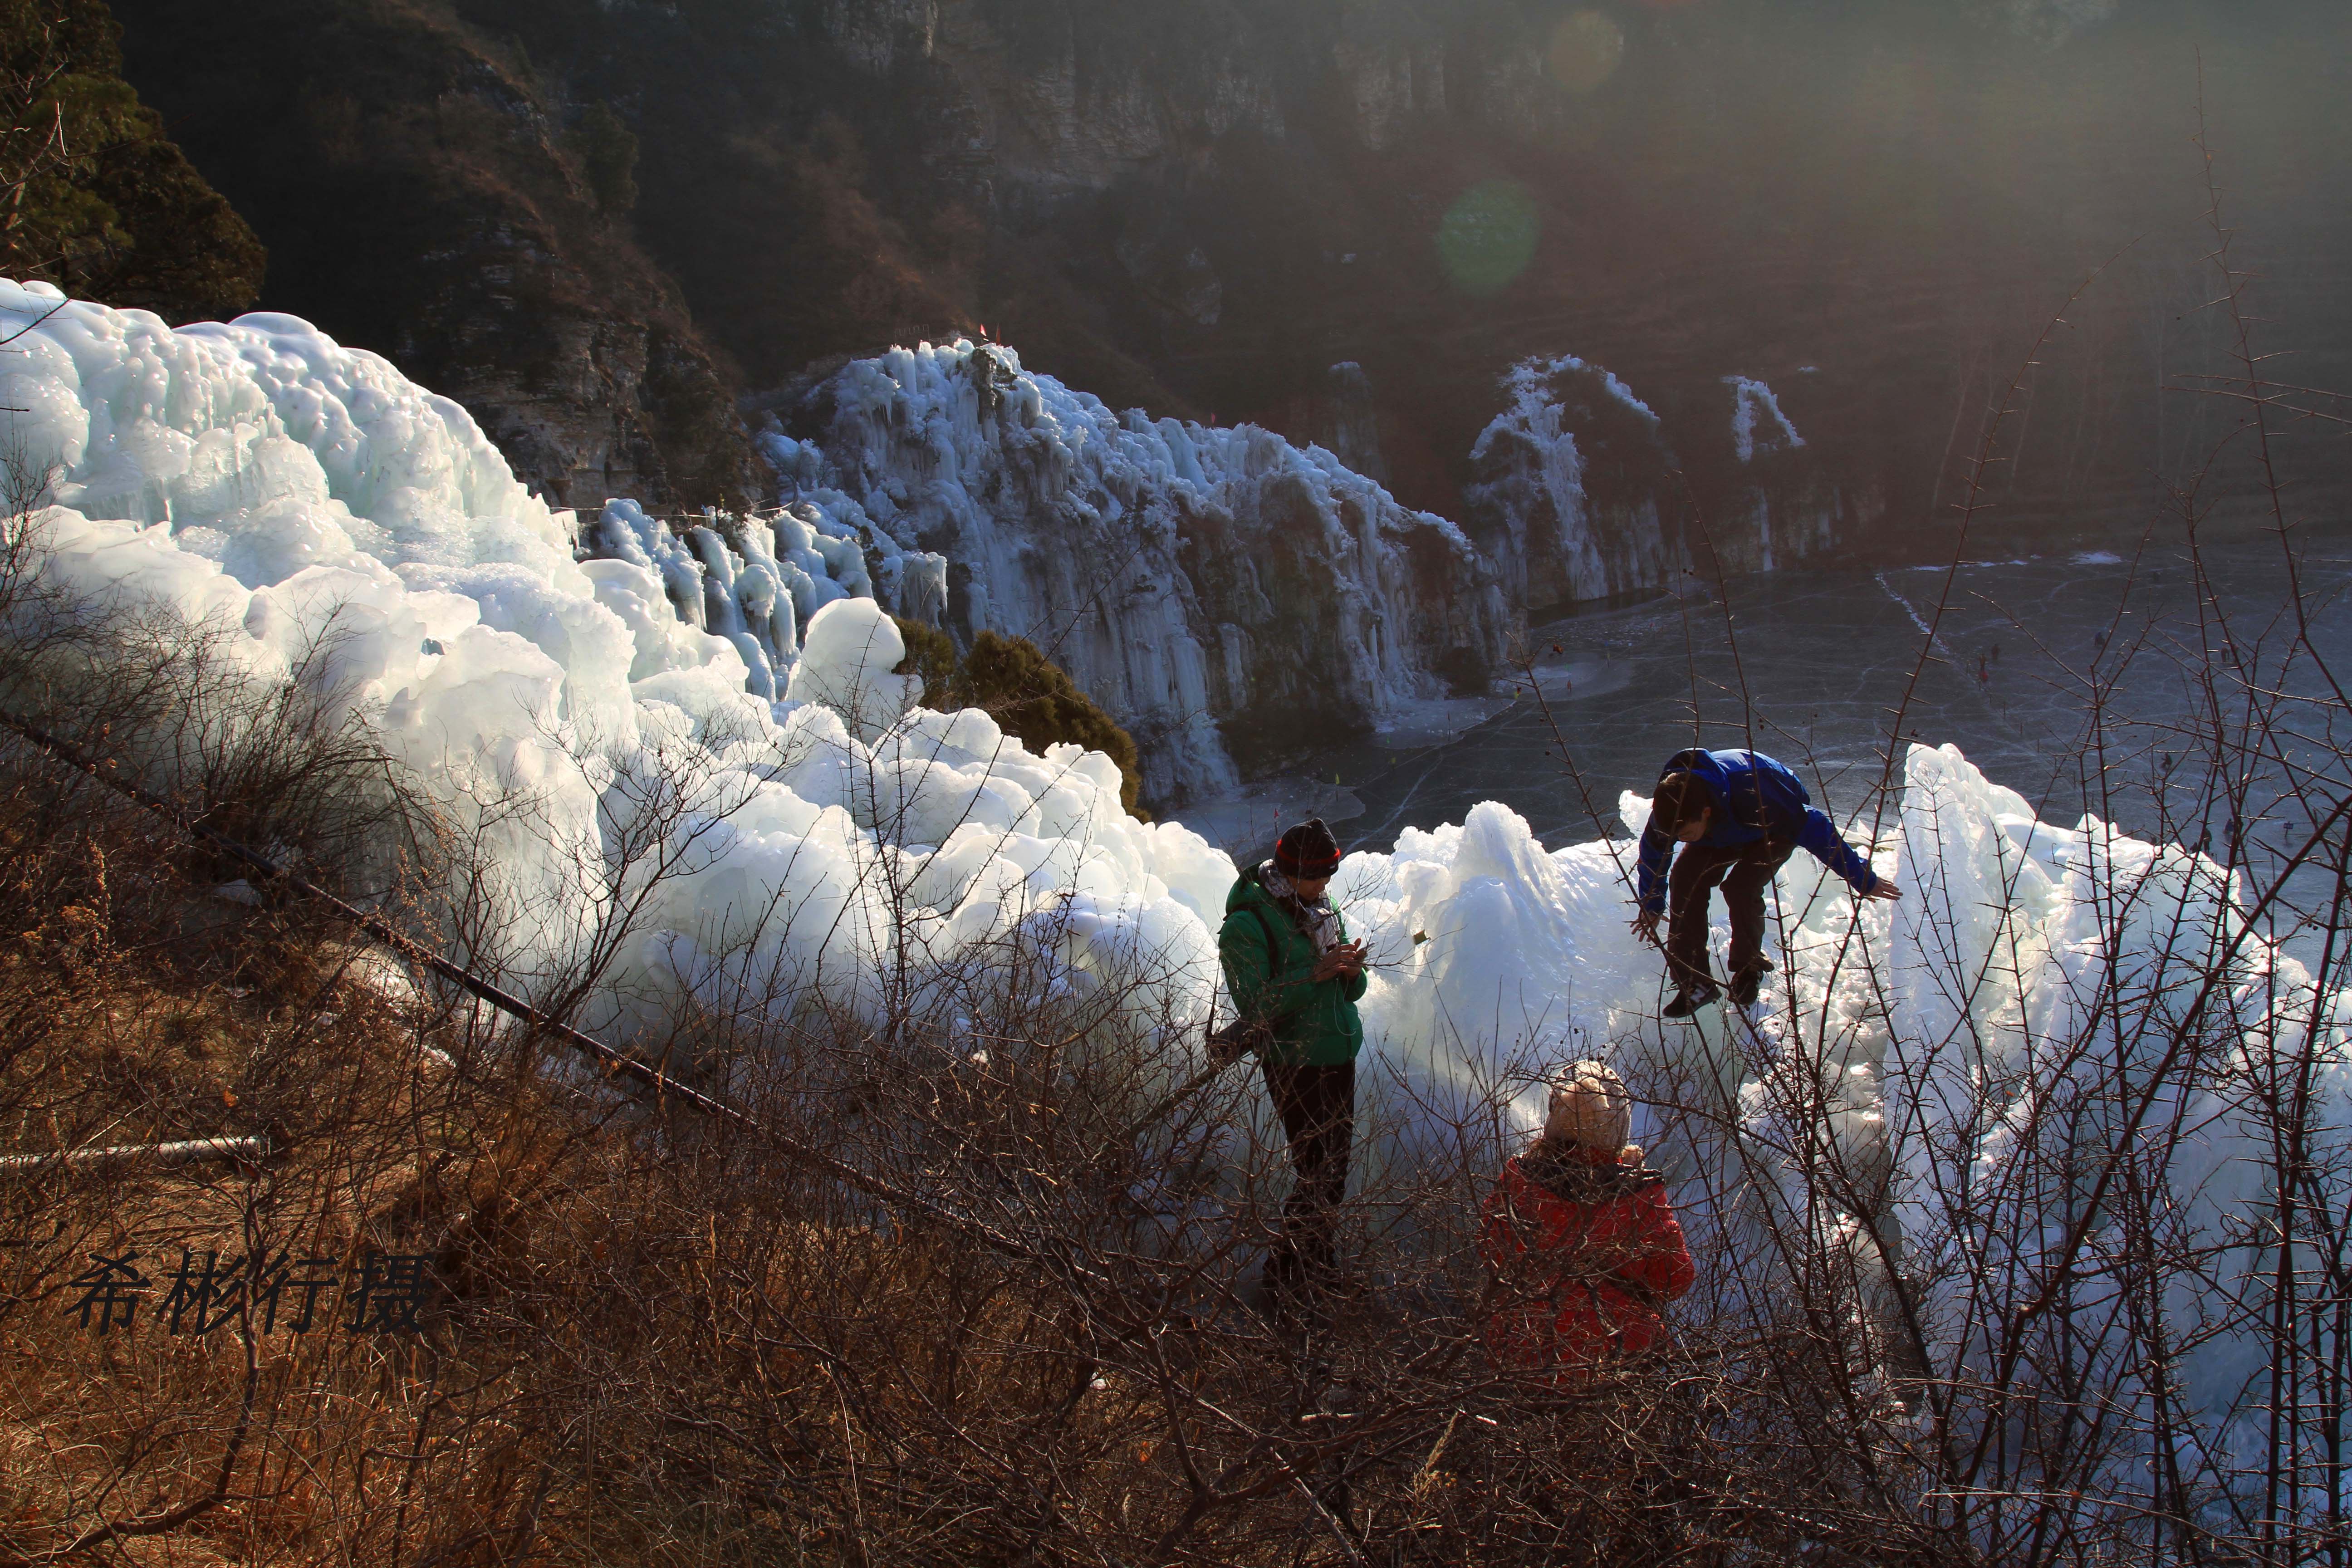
x=931, y=653
x=608, y=157
x=1012, y=682
x=93, y=197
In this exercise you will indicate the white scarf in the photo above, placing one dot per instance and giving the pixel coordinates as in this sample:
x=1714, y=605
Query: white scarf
x=1322, y=915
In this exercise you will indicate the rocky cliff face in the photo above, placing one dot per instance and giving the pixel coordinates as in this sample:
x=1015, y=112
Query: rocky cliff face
x=1199, y=207
x=97, y=200
x=428, y=195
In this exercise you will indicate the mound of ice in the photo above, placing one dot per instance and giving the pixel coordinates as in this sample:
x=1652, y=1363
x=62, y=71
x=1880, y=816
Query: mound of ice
x=325, y=521
x=1186, y=576
x=2044, y=1002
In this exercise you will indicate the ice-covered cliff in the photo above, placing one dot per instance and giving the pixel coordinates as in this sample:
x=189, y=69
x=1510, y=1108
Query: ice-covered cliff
x=1572, y=497
x=1579, y=489
x=326, y=521
x=1221, y=592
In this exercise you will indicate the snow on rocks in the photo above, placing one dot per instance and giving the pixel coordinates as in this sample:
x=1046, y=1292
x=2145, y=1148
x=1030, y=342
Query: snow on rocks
x=1558, y=538
x=1758, y=425
x=1184, y=576
x=1579, y=491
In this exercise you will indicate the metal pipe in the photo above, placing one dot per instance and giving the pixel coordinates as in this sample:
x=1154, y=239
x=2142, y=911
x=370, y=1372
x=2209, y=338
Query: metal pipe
x=186, y=1151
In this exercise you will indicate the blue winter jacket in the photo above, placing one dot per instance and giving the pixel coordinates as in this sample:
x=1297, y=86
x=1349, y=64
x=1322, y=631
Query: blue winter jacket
x=1756, y=798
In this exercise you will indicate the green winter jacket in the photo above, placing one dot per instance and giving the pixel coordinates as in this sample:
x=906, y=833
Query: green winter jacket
x=1315, y=1020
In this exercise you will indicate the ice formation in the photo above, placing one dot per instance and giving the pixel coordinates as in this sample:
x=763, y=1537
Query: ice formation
x=278, y=488
x=2032, y=973
x=1758, y=425
x=2046, y=976
x=1579, y=491
x=1185, y=575
x=1529, y=504
x=330, y=522
x=757, y=580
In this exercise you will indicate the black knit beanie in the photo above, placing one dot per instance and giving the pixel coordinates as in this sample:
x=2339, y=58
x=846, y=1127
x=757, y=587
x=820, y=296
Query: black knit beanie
x=1307, y=851
x=1681, y=797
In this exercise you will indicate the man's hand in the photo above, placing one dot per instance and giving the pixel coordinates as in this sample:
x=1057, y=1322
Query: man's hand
x=1645, y=929
x=1884, y=889
x=1344, y=961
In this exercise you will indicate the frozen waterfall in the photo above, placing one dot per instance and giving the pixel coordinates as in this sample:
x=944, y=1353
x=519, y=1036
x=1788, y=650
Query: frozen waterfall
x=1213, y=588
x=1579, y=491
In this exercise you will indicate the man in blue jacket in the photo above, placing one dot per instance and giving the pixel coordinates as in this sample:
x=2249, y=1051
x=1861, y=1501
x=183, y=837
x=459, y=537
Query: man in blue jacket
x=1738, y=816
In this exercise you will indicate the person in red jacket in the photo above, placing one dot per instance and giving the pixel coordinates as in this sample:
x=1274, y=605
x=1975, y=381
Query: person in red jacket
x=1582, y=1248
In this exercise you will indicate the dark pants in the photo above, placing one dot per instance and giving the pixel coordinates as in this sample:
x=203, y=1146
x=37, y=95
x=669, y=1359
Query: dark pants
x=1317, y=1107
x=1744, y=871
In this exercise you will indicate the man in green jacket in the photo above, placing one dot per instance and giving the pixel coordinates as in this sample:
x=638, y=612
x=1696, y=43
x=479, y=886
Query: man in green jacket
x=1290, y=968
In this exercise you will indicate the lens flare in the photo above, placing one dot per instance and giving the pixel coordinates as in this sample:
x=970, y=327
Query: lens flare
x=1586, y=49
x=1488, y=237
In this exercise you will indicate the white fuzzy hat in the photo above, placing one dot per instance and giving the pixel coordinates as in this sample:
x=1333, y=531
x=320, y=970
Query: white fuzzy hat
x=1590, y=1108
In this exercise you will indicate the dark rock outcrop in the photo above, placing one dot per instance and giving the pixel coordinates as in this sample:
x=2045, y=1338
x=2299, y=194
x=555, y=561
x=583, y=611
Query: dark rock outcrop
x=425, y=195
x=94, y=198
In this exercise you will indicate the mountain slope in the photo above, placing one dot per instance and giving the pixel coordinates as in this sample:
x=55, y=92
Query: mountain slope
x=97, y=199
x=428, y=197
x=1201, y=207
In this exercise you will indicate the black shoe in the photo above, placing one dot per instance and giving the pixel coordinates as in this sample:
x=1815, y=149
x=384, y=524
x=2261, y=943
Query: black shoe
x=1747, y=980
x=1692, y=997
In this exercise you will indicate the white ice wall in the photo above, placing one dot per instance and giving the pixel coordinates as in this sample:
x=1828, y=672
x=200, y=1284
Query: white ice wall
x=288, y=494
x=1184, y=576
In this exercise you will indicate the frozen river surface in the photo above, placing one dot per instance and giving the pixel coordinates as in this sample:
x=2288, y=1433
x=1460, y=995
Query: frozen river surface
x=1813, y=667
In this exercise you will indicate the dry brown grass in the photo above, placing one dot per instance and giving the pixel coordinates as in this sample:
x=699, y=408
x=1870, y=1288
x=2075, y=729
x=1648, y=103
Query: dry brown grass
x=657, y=1339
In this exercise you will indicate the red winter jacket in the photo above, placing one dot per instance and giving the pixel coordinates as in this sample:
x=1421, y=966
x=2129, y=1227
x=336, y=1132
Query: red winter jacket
x=1583, y=1253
